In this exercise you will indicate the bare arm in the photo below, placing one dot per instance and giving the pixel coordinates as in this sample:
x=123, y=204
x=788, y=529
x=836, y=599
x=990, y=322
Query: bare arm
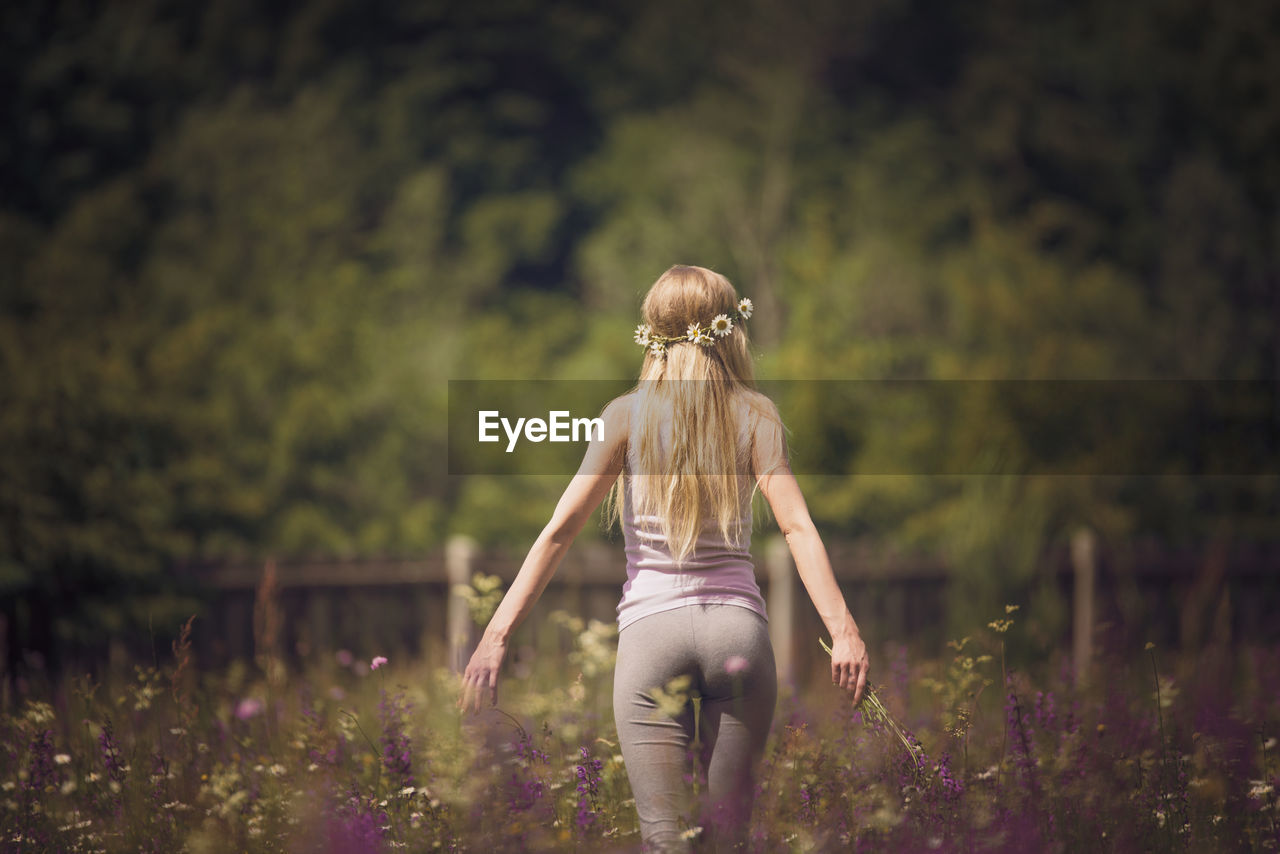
x=849, y=662
x=596, y=475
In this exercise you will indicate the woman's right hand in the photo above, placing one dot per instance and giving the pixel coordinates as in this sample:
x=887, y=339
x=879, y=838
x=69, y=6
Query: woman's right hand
x=481, y=676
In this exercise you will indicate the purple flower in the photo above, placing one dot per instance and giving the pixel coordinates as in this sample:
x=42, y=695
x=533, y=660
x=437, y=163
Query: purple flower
x=588, y=772
x=378, y=661
x=397, y=753
x=248, y=707
x=110, y=749
x=42, y=772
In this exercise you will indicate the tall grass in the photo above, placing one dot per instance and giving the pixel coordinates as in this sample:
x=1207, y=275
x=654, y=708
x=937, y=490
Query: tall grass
x=340, y=757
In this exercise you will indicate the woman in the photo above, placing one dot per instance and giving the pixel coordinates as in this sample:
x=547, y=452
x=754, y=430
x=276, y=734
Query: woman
x=691, y=444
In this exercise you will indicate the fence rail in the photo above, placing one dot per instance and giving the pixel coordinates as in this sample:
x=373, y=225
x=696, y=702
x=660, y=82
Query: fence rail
x=1185, y=596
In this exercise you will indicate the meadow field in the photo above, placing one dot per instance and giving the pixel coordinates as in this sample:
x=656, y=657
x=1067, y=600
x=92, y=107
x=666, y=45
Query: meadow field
x=354, y=753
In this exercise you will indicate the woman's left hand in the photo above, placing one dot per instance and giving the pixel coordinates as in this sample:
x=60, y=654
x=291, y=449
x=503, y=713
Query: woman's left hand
x=481, y=675
x=850, y=665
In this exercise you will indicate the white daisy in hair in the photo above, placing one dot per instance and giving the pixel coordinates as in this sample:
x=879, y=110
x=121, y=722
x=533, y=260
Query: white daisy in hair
x=745, y=308
x=721, y=325
x=643, y=334
x=659, y=348
x=704, y=337
x=693, y=332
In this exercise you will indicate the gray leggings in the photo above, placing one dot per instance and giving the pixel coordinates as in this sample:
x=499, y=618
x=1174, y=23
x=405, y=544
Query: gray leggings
x=725, y=651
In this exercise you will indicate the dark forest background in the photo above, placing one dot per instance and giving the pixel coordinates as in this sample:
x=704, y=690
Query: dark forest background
x=245, y=245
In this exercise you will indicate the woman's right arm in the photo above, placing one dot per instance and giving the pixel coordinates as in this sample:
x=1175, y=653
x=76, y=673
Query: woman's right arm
x=849, y=662
x=600, y=468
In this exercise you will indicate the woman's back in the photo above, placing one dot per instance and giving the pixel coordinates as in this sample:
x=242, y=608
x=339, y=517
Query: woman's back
x=717, y=569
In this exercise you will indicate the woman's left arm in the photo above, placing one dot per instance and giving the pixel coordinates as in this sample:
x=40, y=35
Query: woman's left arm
x=599, y=471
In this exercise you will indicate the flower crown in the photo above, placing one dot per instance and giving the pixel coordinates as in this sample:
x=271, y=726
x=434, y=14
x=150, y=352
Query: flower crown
x=719, y=327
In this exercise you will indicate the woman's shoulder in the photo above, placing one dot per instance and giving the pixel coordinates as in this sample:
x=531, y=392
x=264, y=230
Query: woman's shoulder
x=617, y=412
x=758, y=406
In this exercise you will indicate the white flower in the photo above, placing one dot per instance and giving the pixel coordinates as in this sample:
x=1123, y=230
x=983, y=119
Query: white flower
x=659, y=348
x=277, y=770
x=693, y=332
x=61, y=759
x=644, y=334
x=721, y=325
x=745, y=308
x=704, y=338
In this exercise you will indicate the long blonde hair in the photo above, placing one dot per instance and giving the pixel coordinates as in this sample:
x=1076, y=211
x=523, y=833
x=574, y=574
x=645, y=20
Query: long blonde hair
x=700, y=392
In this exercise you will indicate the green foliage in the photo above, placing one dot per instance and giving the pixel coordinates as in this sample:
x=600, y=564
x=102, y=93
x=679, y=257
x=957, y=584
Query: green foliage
x=482, y=596
x=243, y=252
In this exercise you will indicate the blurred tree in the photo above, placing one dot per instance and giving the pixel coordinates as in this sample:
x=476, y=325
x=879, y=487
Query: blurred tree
x=244, y=246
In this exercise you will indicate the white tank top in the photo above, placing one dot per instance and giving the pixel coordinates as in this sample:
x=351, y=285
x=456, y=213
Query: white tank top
x=715, y=572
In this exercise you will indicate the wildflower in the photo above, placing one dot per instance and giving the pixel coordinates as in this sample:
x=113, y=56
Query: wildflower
x=693, y=332
x=344, y=657
x=588, y=771
x=277, y=770
x=61, y=759
x=41, y=773
x=643, y=333
x=378, y=661
x=735, y=664
x=745, y=308
x=721, y=325
x=249, y=707
x=111, y=756
x=397, y=753
x=658, y=347
x=1260, y=788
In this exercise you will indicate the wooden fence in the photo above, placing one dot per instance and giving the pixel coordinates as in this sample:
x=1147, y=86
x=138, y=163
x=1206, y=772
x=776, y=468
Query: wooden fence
x=408, y=607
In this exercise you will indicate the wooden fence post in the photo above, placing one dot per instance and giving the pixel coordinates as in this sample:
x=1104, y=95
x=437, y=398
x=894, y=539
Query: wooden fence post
x=1084, y=566
x=459, y=557
x=781, y=606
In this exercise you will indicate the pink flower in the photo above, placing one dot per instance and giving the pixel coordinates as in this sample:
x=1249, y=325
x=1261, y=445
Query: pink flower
x=378, y=661
x=736, y=664
x=248, y=707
